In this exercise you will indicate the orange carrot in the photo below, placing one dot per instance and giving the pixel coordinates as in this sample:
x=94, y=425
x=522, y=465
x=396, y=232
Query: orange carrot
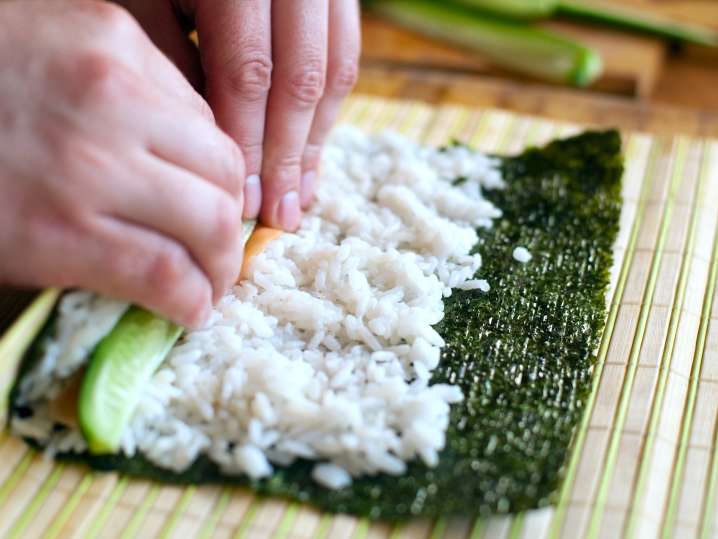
x=256, y=244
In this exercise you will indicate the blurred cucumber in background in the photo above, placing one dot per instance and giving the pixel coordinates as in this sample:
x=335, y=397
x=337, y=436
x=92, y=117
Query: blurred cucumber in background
x=504, y=31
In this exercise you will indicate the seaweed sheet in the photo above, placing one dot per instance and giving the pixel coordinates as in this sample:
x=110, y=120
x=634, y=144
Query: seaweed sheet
x=523, y=353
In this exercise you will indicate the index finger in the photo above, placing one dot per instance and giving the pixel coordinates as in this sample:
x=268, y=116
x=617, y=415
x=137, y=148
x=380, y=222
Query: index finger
x=236, y=47
x=299, y=41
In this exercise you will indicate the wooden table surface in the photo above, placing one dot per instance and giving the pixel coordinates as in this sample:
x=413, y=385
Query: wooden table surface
x=647, y=85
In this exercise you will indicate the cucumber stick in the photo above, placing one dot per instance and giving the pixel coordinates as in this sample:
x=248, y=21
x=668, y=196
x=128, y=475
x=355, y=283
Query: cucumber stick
x=247, y=229
x=120, y=368
x=523, y=48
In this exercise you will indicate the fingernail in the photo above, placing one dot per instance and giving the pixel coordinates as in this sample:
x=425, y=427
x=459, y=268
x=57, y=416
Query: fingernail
x=289, y=213
x=306, y=188
x=252, y=196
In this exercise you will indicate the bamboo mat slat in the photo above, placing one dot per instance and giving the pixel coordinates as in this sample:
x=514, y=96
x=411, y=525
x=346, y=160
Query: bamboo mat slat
x=644, y=461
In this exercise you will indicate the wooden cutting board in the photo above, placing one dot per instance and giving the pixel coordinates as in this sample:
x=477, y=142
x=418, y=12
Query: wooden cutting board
x=645, y=458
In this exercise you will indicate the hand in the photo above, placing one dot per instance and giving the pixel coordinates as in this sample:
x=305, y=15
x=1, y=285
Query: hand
x=113, y=173
x=275, y=72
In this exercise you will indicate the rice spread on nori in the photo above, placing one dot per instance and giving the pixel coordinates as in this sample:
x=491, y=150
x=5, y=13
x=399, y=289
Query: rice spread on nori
x=522, y=353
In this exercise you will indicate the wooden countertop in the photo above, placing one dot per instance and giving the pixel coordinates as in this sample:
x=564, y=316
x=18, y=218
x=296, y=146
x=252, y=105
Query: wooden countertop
x=647, y=85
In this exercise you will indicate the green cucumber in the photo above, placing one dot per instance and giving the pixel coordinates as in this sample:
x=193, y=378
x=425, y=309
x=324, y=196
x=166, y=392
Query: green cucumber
x=521, y=47
x=118, y=370
x=248, y=228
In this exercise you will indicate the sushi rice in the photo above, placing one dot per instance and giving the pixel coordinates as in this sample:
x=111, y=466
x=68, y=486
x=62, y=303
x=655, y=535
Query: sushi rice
x=326, y=352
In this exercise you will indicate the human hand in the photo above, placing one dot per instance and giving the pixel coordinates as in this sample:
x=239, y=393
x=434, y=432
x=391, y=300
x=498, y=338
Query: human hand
x=113, y=174
x=275, y=73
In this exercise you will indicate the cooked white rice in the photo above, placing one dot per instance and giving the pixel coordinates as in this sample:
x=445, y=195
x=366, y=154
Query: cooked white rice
x=522, y=254
x=326, y=352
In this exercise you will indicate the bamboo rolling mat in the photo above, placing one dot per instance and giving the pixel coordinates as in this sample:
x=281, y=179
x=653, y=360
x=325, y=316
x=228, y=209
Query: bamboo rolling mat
x=645, y=461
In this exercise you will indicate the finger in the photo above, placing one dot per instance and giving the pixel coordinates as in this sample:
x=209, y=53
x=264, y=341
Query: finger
x=150, y=270
x=111, y=93
x=193, y=143
x=299, y=41
x=342, y=69
x=198, y=215
x=161, y=22
x=124, y=261
x=235, y=40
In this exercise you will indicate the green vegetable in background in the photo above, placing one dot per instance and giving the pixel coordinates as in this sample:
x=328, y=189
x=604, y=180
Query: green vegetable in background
x=501, y=30
x=526, y=49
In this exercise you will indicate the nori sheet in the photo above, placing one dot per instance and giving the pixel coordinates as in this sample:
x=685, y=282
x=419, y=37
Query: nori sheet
x=523, y=353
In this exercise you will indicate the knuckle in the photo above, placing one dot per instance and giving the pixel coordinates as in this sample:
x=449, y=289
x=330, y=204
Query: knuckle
x=250, y=75
x=104, y=79
x=312, y=155
x=306, y=85
x=81, y=164
x=227, y=222
x=251, y=155
x=344, y=77
x=287, y=163
x=283, y=174
x=166, y=270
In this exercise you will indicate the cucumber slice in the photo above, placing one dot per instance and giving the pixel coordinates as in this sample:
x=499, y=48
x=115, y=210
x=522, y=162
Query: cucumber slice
x=118, y=370
x=248, y=228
